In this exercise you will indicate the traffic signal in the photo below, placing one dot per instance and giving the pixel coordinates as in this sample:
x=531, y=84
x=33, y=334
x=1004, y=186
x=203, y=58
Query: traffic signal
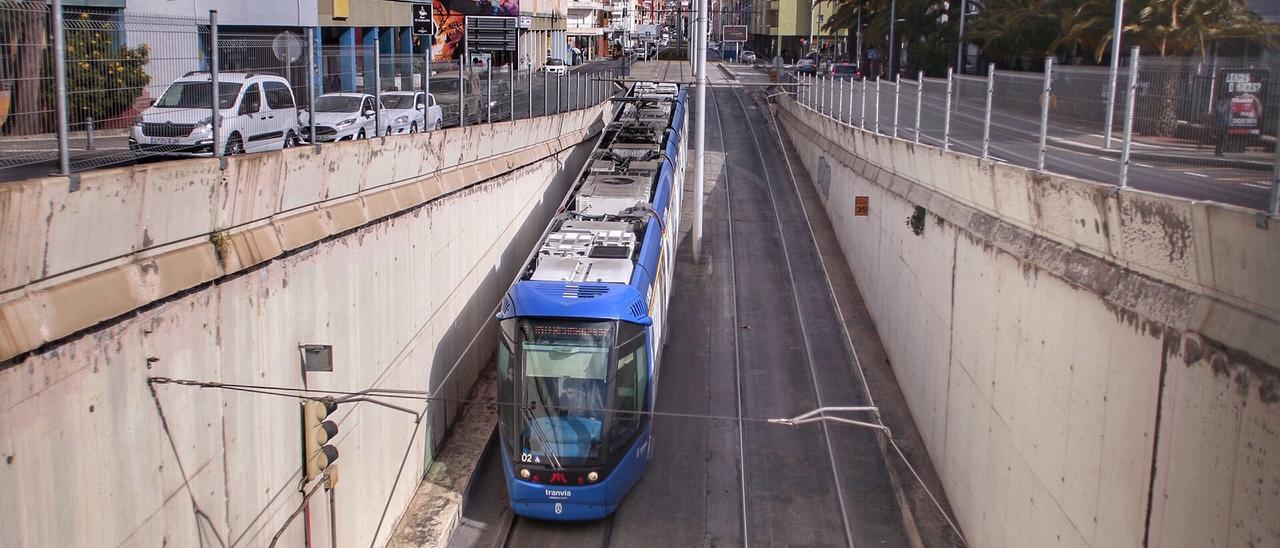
x=317, y=454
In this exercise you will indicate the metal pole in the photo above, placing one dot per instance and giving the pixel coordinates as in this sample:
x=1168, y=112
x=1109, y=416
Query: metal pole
x=1128, y=117
x=839, y=104
x=462, y=79
x=964, y=10
x=1274, y=208
x=529, y=66
x=893, y=21
x=377, y=86
x=919, y=101
x=862, y=98
x=88, y=133
x=897, y=97
x=426, y=65
x=311, y=86
x=559, y=90
x=60, y=82
x=488, y=82
x=1111, y=78
x=1045, y=97
x=545, y=93
x=216, y=121
x=877, y=126
x=986, y=117
x=849, y=118
x=700, y=138
x=946, y=116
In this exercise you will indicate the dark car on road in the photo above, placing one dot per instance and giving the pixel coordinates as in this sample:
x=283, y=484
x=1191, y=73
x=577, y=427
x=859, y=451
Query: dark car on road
x=806, y=66
x=846, y=71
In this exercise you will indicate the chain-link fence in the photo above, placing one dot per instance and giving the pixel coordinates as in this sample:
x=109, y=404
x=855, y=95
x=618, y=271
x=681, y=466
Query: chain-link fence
x=139, y=86
x=1196, y=129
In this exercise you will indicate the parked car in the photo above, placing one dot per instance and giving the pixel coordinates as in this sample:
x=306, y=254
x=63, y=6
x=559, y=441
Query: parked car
x=256, y=112
x=346, y=116
x=806, y=66
x=555, y=66
x=412, y=111
x=748, y=56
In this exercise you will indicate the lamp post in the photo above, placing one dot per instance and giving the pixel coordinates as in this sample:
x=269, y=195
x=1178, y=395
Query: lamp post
x=964, y=10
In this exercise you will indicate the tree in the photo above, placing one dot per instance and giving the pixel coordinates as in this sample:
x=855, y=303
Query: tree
x=103, y=78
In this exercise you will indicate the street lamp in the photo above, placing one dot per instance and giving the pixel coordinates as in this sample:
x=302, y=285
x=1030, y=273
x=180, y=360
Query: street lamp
x=893, y=20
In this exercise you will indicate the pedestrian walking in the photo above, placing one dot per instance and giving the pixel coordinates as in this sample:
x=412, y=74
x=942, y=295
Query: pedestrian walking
x=1221, y=121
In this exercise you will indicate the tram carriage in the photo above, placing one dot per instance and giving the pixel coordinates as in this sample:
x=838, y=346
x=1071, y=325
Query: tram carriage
x=583, y=326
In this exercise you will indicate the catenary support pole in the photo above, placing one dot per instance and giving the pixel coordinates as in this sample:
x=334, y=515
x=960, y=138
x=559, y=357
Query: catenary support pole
x=986, y=116
x=216, y=121
x=1128, y=117
x=60, y=83
x=700, y=135
x=946, y=114
x=1116, y=35
x=1046, y=98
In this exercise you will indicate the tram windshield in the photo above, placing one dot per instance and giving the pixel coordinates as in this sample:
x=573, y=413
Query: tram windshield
x=565, y=370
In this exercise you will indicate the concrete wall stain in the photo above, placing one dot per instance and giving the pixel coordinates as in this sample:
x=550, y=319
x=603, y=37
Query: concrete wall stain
x=1175, y=228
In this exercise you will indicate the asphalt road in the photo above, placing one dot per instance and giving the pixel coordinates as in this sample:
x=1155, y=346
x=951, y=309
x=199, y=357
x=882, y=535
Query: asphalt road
x=1015, y=139
x=738, y=348
x=113, y=148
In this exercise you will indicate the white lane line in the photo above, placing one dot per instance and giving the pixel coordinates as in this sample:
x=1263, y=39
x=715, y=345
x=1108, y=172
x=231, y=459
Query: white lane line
x=1143, y=165
x=1257, y=185
x=1196, y=174
x=1107, y=158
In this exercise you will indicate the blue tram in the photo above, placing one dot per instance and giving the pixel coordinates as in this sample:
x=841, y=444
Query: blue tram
x=582, y=328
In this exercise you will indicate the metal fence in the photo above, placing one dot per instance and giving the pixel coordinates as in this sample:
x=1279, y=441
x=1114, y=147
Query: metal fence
x=1165, y=134
x=137, y=86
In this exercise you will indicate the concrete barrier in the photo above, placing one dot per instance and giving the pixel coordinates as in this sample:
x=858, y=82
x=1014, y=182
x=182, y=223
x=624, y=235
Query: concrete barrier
x=1087, y=368
x=394, y=253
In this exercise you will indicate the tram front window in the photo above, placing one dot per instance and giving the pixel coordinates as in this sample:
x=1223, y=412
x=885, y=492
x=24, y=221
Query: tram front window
x=565, y=373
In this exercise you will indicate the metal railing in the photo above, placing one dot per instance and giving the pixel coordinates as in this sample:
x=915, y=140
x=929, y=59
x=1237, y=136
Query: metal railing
x=110, y=89
x=1168, y=136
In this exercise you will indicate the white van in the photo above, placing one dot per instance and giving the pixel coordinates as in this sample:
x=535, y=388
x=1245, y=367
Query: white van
x=257, y=112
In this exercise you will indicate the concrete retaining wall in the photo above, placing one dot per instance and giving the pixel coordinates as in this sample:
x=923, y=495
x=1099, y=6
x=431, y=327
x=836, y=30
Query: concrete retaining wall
x=395, y=253
x=1087, y=368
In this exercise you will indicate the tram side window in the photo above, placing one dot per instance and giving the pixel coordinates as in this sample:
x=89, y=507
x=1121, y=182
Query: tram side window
x=506, y=396
x=630, y=384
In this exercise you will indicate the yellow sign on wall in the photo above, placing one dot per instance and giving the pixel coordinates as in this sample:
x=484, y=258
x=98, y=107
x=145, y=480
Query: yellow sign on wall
x=341, y=9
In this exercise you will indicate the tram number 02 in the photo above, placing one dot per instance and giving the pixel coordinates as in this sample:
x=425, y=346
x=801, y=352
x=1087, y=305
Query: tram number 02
x=526, y=457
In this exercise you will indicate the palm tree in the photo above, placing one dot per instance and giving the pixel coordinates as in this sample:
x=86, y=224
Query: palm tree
x=1171, y=29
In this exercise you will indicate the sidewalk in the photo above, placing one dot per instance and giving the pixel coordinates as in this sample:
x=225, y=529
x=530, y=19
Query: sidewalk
x=1170, y=150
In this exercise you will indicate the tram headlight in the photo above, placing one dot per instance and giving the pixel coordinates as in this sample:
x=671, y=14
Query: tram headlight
x=524, y=473
x=592, y=477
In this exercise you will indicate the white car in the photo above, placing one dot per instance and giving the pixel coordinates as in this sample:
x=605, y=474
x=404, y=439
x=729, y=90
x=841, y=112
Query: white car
x=256, y=112
x=412, y=111
x=555, y=66
x=346, y=116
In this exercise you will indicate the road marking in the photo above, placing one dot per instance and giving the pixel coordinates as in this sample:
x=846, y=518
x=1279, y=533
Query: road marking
x=1106, y=158
x=1257, y=185
x=1143, y=165
x=1196, y=174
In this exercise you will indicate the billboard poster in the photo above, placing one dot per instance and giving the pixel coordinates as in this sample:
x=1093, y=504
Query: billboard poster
x=450, y=17
x=734, y=33
x=1244, y=90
